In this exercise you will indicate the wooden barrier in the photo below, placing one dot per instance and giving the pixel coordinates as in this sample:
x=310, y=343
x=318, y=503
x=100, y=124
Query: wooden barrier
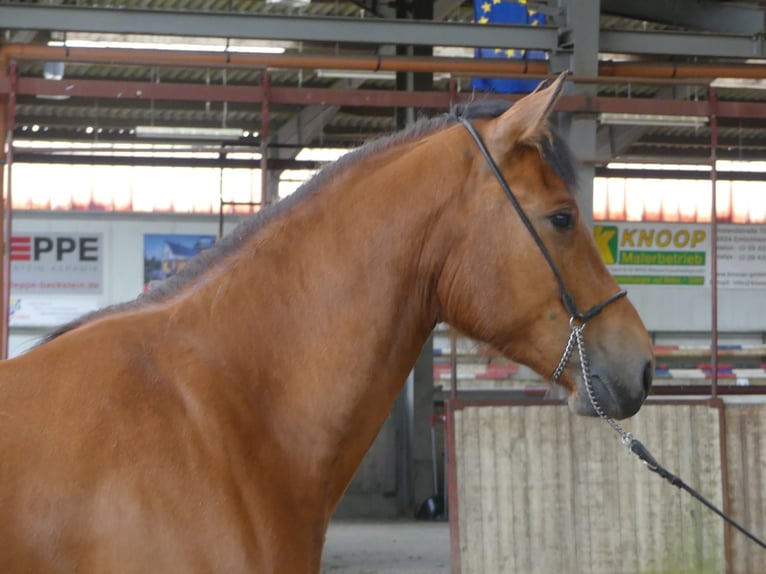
x=746, y=466
x=535, y=489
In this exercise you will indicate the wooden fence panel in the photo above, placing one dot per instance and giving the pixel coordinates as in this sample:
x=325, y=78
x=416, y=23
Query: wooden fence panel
x=542, y=491
x=746, y=459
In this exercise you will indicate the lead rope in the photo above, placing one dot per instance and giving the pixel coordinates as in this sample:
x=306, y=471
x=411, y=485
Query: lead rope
x=634, y=445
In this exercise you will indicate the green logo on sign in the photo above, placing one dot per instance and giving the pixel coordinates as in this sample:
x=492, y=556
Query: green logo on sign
x=606, y=241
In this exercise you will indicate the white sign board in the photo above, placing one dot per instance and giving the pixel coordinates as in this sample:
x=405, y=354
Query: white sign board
x=742, y=256
x=680, y=254
x=46, y=311
x=60, y=263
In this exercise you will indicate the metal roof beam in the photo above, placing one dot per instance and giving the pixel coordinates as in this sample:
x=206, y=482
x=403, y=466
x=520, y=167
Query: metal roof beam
x=270, y=27
x=697, y=155
x=727, y=18
x=307, y=124
x=444, y=7
x=375, y=8
x=366, y=30
x=146, y=91
x=613, y=141
x=685, y=174
x=223, y=161
x=681, y=44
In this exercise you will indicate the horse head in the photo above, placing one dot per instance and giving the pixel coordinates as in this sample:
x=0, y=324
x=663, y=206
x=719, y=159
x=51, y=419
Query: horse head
x=496, y=284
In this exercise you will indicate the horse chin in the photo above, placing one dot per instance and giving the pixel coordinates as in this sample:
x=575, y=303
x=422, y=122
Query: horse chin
x=580, y=403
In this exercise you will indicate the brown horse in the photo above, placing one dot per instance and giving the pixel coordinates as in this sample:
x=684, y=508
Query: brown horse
x=213, y=425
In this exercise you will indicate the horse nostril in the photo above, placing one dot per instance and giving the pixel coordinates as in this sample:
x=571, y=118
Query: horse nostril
x=647, y=377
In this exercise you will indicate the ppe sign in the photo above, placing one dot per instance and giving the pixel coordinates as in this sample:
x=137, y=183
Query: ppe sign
x=57, y=263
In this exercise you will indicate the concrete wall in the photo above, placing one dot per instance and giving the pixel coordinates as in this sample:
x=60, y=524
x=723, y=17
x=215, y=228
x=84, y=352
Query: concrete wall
x=540, y=490
x=746, y=461
x=671, y=308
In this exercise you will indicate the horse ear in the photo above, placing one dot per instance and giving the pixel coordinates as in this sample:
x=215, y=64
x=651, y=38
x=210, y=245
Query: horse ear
x=525, y=121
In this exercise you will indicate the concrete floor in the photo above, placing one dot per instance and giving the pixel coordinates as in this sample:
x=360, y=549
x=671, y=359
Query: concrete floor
x=390, y=547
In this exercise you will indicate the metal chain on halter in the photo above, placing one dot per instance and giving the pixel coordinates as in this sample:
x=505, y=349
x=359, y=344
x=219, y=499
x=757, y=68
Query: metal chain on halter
x=576, y=338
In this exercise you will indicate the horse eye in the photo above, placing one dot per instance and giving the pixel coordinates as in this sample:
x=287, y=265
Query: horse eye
x=562, y=220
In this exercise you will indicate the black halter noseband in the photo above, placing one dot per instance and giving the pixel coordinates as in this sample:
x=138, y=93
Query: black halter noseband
x=566, y=297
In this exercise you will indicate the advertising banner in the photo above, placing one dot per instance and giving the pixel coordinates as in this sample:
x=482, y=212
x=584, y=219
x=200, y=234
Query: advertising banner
x=57, y=263
x=654, y=254
x=742, y=256
x=166, y=254
x=679, y=254
x=46, y=311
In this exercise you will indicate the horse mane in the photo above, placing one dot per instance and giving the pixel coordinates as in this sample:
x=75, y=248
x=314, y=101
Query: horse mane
x=554, y=152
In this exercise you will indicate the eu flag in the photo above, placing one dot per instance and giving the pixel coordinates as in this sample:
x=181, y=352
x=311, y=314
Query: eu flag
x=506, y=12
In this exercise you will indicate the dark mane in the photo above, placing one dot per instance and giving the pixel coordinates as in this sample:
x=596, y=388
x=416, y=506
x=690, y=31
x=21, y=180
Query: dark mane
x=555, y=153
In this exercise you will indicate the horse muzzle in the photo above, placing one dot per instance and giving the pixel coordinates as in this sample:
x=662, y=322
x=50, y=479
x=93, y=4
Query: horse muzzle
x=619, y=399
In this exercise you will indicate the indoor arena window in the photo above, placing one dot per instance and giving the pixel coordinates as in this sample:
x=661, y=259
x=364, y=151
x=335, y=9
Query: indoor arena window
x=686, y=200
x=142, y=188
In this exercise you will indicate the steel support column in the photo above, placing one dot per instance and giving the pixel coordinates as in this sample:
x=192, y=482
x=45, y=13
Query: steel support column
x=582, y=18
x=416, y=402
x=713, y=243
x=4, y=172
x=266, y=86
x=7, y=121
x=305, y=126
x=404, y=408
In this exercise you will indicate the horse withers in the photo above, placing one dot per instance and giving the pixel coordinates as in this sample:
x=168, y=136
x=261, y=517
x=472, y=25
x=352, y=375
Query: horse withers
x=213, y=424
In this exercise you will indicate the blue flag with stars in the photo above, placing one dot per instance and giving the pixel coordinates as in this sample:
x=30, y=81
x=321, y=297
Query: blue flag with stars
x=506, y=12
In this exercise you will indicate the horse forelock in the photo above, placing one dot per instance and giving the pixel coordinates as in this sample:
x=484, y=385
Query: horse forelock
x=553, y=150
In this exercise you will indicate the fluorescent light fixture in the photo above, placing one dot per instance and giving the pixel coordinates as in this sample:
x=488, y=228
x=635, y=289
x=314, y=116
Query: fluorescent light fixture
x=362, y=75
x=739, y=83
x=131, y=149
x=321, y=154
x=175, y=46
x=156, y=42
x=658, y=166
x=739, y=165
x=454, y=52
x=171, y=132
x=355, y=75
x=290, y=3
x=53, y=70
x=652, y=120
x=242, y=155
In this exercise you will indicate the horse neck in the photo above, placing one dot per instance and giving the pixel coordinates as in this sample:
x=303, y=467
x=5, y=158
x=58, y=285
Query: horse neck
x=326, y=308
